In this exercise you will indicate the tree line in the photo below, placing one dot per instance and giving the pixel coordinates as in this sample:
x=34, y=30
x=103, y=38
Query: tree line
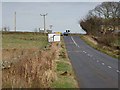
x=102, y=19
x=103, y=23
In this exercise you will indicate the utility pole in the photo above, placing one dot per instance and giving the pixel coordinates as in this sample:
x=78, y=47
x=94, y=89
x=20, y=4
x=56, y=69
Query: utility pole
x=44, y=15
x=15, y=21
x=51, y=27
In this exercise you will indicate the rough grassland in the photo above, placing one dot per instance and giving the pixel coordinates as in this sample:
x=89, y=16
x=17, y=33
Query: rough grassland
x=31, y=62
x=23, y=40
x=28, y=61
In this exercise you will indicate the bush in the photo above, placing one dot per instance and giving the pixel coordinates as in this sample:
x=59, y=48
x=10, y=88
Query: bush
x=106, y=40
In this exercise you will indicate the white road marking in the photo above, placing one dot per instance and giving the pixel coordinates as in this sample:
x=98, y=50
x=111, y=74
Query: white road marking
x=84, y=51
x=109, y=67
x=89, y=54
x=103, y=63
x=97, y=60
x=74, y=41
x=117, y=71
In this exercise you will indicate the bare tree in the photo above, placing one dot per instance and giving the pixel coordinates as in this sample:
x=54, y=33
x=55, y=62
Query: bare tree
x=107, y=10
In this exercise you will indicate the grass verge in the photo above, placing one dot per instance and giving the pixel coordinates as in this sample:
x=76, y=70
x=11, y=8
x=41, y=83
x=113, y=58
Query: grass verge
x=64, y=70
x=107, y=50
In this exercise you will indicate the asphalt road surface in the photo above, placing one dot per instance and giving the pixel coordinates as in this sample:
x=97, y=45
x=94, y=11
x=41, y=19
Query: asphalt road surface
x=93, y=69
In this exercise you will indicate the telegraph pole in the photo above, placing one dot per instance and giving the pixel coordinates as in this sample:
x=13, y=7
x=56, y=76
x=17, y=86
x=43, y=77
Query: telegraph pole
x=44, y=15
x=51, y=27
x=15, y=21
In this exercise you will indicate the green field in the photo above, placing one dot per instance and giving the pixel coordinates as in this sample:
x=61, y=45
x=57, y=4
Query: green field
x=23, y=40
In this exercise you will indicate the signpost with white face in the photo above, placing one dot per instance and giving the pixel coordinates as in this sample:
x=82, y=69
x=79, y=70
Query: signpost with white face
x=54, y=37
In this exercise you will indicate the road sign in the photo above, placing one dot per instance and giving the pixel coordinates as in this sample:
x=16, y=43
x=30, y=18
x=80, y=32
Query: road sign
x=53, y=37
x=58, y=33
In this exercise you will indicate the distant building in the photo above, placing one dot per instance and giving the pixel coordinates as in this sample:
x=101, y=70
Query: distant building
x=47, y=31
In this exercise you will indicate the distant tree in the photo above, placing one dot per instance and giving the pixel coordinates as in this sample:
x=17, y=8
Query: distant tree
x=6, y=28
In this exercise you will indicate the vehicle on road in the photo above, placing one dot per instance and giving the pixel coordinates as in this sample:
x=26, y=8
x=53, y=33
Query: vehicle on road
x=66, y=33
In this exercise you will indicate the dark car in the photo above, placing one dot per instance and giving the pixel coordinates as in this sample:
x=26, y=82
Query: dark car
x=65, y=33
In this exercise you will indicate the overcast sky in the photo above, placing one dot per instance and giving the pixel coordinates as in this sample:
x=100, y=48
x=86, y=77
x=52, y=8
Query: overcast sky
x=57, y=0
x=62, y=15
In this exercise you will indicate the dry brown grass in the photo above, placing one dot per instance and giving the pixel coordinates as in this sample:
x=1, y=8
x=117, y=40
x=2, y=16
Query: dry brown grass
x=30, y=68
x=104, y=44
x=91, y=39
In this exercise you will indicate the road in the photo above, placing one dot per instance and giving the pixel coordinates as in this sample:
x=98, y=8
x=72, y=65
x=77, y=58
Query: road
x=93, y=69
